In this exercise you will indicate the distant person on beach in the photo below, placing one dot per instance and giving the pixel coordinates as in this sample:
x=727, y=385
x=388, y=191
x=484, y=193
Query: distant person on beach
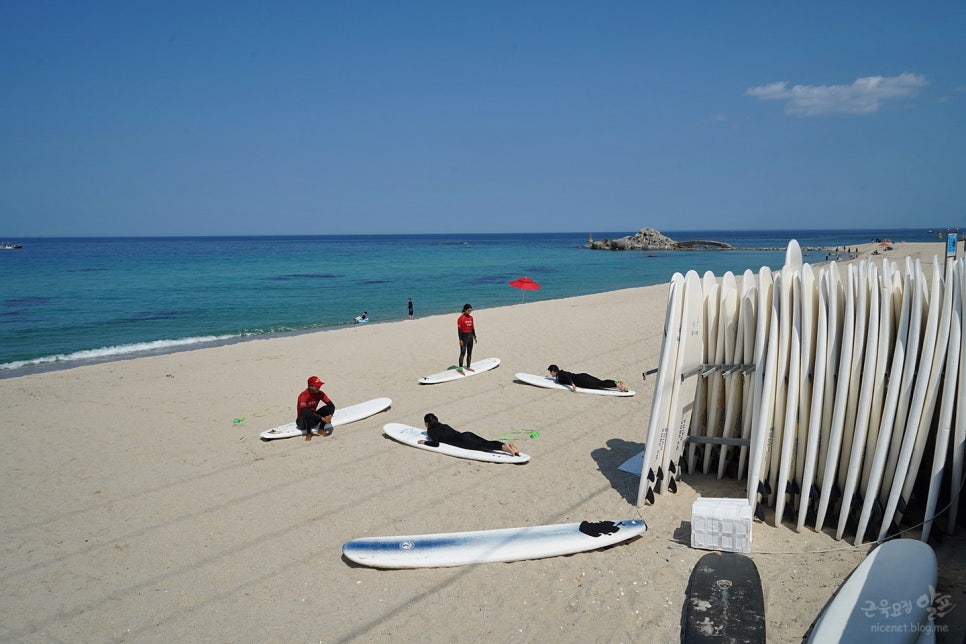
x=466, y=331
x=441, y=433
x=582, y=380
x=362, y=318
x=309, y=416
x=409, y=305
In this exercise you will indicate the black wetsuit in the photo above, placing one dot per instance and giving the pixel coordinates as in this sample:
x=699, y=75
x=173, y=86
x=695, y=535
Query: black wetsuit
x=442, y=433
x=584, y=380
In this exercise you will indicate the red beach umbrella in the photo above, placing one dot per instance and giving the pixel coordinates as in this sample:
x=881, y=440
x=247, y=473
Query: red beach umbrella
x=525, y=284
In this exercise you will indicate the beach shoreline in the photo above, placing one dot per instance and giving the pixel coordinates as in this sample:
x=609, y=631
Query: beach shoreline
x=141, y=505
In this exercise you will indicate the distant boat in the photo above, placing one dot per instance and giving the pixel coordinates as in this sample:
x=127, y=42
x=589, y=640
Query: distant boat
x=6, y=246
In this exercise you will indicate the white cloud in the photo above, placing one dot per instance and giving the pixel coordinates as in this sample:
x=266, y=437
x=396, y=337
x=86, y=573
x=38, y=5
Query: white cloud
x=864, y=96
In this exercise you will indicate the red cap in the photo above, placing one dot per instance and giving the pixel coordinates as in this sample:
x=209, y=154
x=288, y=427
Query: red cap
x=315, y=382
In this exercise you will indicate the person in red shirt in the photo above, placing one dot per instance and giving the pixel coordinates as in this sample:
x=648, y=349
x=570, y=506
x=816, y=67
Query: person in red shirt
x=467, y=336
x=309, y=417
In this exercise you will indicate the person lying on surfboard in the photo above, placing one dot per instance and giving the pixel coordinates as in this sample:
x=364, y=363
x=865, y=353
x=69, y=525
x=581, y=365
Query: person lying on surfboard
x=308, y=415
x=441, y=433
x=583, y=380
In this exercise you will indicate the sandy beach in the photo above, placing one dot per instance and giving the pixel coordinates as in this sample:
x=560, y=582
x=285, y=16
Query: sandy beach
x=140, y=504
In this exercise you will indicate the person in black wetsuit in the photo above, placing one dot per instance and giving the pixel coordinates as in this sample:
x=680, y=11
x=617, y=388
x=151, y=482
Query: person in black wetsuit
x=442, y=433
x=583, y=380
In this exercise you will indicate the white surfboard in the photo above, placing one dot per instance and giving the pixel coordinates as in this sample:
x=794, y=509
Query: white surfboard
x=936, y=374
x=842, y=384
x=765, y=374
x=900, y=573
x=785, y=442
x=763, y=315
x=810, y=288
x=815, y=416
x=686, y=381
x=947, y=407
x=657, y=424
x=919, y=307
x=850, y=491
x=454, y=373
x=702, y=414
x=342, y=416
x=486, y=546
x=959, y=430
x=723, y=398
x=918, y=403
x=550, y=383
x=749, y=315
x=887, y=420
x=412, y=435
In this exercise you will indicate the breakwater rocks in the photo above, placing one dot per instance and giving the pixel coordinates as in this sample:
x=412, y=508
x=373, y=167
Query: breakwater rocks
x=651, y=239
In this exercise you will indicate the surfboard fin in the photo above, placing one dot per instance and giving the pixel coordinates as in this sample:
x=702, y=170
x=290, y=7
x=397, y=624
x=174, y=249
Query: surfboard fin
x=649, y=496
x=660, y=474
x=672, y=485
x=650, y=475
x=671, y=468
x=760, y=512
x=814, y=493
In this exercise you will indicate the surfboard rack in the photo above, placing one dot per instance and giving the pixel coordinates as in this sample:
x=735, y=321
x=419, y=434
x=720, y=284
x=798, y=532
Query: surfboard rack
x=719, y=440
x=725, y=369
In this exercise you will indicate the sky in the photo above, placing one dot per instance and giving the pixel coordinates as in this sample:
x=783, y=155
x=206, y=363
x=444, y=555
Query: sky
x=175, y=117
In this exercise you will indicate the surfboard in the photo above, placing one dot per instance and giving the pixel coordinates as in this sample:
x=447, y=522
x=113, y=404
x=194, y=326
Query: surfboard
x=702, y=415
x=816, y=417
x=899, y=573
x=919, y=306
x=724, y=601
x=735, y=407
x=487, y=546
x=763, y=314
x=454, y=373
x=765, y=373
x=749, y=316
x=933, y=385
x=789, y=431
x=721, y=404
x=923, y=376
x=657, y=424
x=843, y=381
x=550, y=383
x=850, y=497
x=687, y=369
x=959, y=431
x=809, y=297
x=947, y=407
x=342, y=416
x=887, y=421
x=412, y=435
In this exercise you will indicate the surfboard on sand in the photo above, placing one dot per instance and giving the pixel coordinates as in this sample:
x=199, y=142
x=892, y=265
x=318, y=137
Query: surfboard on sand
x=455, y=373
x=412, y=435
x=342, y=416
x=724, y=601
x=486, y=546
x=657, y=424
x=549, y=383
x=899, y=573
x=687, y=370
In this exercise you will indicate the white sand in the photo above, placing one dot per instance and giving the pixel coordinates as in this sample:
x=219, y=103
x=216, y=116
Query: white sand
x=144, y=513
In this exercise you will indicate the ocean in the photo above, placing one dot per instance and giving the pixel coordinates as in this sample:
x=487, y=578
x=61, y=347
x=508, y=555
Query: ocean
x=71, y=301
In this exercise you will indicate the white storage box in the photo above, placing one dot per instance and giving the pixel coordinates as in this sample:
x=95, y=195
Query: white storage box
x=721, y=524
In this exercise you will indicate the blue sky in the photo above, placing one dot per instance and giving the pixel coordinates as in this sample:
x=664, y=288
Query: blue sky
x=250, y=118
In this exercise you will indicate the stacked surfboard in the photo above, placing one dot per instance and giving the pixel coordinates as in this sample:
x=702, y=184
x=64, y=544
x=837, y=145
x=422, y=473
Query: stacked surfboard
x=829, y=389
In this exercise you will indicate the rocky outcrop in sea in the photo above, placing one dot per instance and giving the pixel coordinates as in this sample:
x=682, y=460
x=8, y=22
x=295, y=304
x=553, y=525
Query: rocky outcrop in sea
x=651, y=239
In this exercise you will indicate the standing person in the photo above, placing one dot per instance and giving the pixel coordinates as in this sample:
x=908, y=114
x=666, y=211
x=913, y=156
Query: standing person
x=441, y=433
x=467, y=335
x=410, y=306
x=309, y=416
x=583, y=380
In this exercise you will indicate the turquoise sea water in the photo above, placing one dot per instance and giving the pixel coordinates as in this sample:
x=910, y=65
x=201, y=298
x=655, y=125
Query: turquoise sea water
x=65, y=302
